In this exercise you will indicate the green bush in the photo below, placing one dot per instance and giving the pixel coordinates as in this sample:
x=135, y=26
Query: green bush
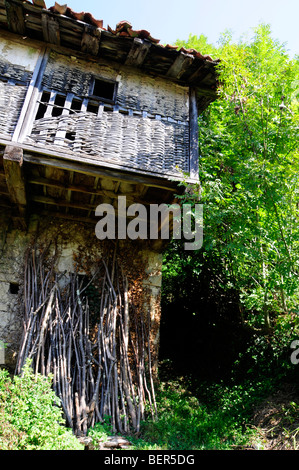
x=185, y=423
x=30, y=415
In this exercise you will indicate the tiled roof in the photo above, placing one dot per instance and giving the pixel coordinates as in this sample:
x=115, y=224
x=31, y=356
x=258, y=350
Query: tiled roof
x=61, y=27
x=122, y=29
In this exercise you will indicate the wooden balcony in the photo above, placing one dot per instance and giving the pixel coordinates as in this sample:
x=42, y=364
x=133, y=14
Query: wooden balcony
x=66, y=145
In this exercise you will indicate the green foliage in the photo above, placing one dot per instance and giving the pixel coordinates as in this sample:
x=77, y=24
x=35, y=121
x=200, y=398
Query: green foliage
x=249, y=174
x=30, y=415
x=249, y=162
x=99, y=433
x=199, y=43
x=186, y=423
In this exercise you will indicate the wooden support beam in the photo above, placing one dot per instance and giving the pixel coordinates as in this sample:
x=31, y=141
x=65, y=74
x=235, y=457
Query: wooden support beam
x=200, y=74
x=193, y=136
x=51, y=31
x=134, y=197
x=13, y=167
x=138, y=52
x=87, y=167
x=61, y=203
x=30, y=105
x=90, y=43
x=180, y=65
x=15, y=17
x=47, y=200
x=74, y=218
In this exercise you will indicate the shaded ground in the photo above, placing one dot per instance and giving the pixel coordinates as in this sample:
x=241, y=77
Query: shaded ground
x=277, y=421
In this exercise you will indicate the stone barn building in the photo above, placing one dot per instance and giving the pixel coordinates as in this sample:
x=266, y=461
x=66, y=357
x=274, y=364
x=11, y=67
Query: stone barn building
x=88, y=115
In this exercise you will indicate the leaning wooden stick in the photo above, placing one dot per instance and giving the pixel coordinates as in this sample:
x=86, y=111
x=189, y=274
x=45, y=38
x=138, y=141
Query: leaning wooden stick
x=101, y=367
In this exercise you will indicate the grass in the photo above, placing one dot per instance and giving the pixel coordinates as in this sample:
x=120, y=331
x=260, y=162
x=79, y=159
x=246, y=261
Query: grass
x=206, y=416
x=219, y=416
x=186, y=423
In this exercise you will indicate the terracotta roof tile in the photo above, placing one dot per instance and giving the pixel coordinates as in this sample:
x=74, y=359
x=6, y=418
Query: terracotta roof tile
x=123, y=28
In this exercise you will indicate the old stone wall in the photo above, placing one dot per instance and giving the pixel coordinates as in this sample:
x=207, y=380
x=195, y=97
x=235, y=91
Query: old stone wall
x=78, y=249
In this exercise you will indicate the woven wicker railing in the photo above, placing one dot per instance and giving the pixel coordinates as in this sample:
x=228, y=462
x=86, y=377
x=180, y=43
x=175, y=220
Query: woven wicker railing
x=11, y=101
x=134, y=141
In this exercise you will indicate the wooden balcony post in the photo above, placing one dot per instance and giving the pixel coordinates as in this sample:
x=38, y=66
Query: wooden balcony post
x=193, y=138
x=13, y=167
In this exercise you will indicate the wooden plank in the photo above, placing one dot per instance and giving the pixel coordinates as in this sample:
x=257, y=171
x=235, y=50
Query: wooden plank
x=193, y=136
x=179, y=66
x=60, y=203
x=60, y=134
x=51, y=102
x=15, y=17
x=13, y=167
x=200, y=74
x=103, y=166
x=95, y=188
x=51, y=32
x=90, y=43
x=82, y=189
x=12, y=163
x=70, y=187
x=69, y=191
x=88, y=168
x=64, y=204
x=30, y=104
x=138, y=52
x=74, y=218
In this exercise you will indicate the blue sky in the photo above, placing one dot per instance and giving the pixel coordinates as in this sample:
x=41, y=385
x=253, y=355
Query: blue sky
x=170, y=20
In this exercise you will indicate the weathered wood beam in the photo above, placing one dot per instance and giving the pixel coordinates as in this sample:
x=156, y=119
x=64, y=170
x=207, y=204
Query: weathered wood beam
x=88, y=167
x=179, y=66
x=15, y=17
x=30, y=104
x=60, y=203
x=74, y=218
x=90, y=43
x=95, y=187
x=15, y=181
x=138, y=52
x=70, y=187
x=51, y=31
x=83, y=189
x=199, y=75
x=69, y=191
x=193, y=136
x=47, y=200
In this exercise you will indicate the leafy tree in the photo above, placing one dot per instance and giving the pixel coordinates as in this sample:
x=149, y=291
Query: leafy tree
x=249, y=162
x=249, y=170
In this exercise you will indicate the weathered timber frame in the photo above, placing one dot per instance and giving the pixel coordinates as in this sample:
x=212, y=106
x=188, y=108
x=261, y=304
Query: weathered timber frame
x=52, y=177
x=13, y=167
x=57, y=31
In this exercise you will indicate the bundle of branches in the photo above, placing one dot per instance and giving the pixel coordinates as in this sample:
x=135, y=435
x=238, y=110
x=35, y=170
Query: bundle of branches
x=100, y=362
